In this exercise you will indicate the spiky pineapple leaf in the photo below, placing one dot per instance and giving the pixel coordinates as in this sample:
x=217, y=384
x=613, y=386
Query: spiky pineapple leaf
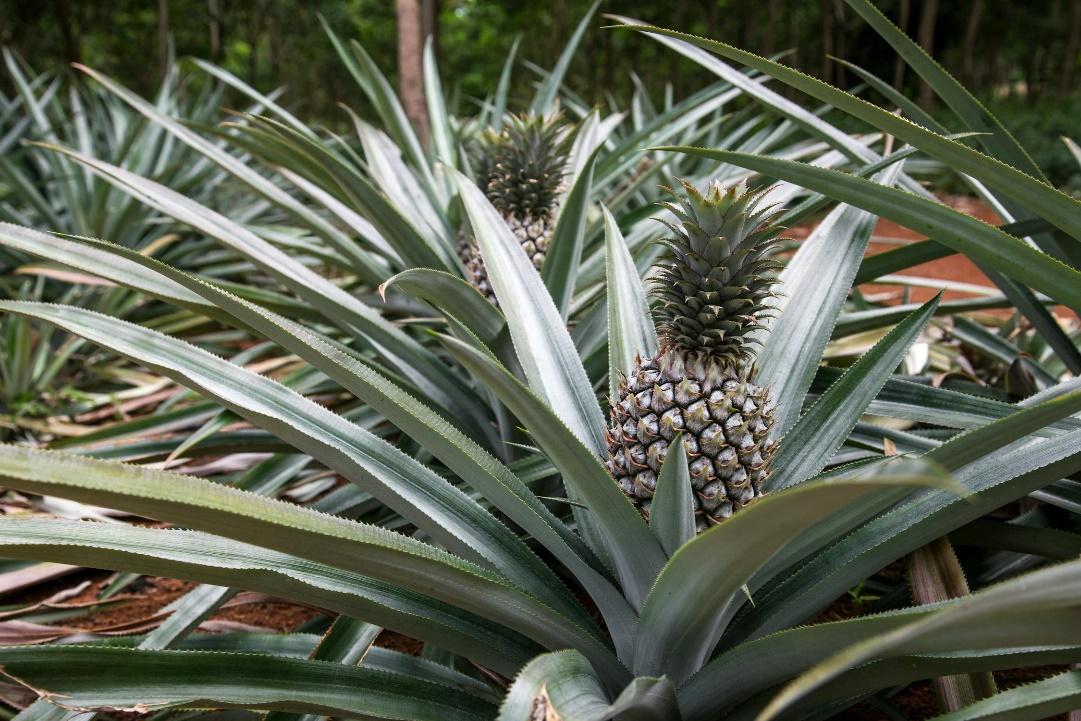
x=240, y=515
x=502, y=89
x=545, y=98
x=847, y=145
x=381, y=94
x=773, y=659
x=635, y=552
x=391, y=177
x=1049, y=203
x=994, y=137
x=403, y=484
x=483, y=472
x=91, y=677
x=1053, y=588
x=1030, y=702
x=792, y=350
x=234, y=82
x=360, y=260
x=560, y=270
x=631, y=333
x=443, y=145
x=196, y=556
x=347, y=641
x=704, y=577
x=1002, y=463
x=671, y=514
x=807, y=447
x=544, y=347
x=561, y=686
x=451, y=294
x=961, y=232
x=338, y=306
x=82, y=257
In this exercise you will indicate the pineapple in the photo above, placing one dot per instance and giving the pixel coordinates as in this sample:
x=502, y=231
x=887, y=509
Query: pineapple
x=710, y=296
x=521, y=169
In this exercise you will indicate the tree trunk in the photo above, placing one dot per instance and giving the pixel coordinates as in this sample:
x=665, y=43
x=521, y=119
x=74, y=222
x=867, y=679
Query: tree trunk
x=429, y=13
x=769, y=43
x=825, y=12
x=839, y=48
x=972, y=31
x=163, y=36
x=410, y=73
x=214, y=15
x=926, y=39
x=899, y=63
x=1073, y=46
x=71, y=38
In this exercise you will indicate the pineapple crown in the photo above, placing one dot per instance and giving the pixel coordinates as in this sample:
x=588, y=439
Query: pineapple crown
x=714, y=282
x=522, y=166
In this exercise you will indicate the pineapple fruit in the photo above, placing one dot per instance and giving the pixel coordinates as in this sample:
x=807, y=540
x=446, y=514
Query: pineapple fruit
x=710, y=295
x=522, y=170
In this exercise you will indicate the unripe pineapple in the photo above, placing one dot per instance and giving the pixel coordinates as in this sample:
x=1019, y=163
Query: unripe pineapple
x=711, y=292
x=521, y=169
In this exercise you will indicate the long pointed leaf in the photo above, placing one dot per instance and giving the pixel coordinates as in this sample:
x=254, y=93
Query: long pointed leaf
x=806, y=449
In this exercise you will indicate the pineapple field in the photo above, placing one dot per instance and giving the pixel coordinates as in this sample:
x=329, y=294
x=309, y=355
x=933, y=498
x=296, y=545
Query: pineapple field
x=749, y=393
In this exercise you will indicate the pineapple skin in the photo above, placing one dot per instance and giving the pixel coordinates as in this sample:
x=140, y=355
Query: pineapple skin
x=725, y=421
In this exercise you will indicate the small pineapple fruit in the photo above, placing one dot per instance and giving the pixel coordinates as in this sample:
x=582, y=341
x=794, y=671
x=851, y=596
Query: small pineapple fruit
x=711, y=292
x=521, y=169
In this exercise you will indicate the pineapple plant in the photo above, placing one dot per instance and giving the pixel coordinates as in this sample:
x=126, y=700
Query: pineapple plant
x=522, y=169
x=711, y=295
x=455, y=537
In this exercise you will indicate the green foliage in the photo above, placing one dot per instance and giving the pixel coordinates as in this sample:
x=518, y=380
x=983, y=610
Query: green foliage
x=434, y=464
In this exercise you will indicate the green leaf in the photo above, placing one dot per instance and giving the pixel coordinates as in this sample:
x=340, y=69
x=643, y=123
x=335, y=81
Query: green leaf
x=771, y=660
x=95, y=677
x=544, y=347
x=382, y=96
x=565, y=252
x=499, y=106
x=413, y=490
x=793, y=349
x=451, y=294
x=443, y=143
x=360, y=260
x=631, y=333
x=233, y=81
x=671, y=514
x=480, y=470
x=546, y=95
x=683, y=617
x=1052, y=205
x=388, y=177
x=555, y=685
x=195, y=556
x=338, y=306
x=1039, y=700
x=1055, y=587
x=636, y=554
x=347, y=641
x=807, y=448
x=1011, y=466
x=292, y=529
x=954, y=229
x=93, y=260
x=994, y=137
x=562, y=685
